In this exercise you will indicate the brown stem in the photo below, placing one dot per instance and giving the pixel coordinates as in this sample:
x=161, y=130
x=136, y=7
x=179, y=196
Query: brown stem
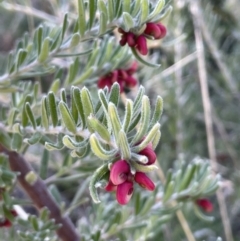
x=40, y=196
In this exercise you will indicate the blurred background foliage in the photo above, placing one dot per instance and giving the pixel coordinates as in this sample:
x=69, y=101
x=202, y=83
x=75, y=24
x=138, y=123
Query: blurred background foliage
x=183, y=126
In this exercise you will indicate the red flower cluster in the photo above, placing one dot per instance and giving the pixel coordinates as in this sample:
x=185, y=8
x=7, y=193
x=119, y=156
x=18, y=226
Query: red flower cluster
x=7, y=223
x=205, y=204
x=121, y=179
x=123, y=77
x=155, y=30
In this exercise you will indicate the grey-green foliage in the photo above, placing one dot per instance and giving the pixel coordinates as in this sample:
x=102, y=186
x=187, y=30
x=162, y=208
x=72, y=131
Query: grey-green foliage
x=33, y=57
x=192, y=181
x=86, y=122
x=39, y=228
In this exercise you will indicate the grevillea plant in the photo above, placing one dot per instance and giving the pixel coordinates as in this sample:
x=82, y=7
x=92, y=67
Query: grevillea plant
x=92, y=125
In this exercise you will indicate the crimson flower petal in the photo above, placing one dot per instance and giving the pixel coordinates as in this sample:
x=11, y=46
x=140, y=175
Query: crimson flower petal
x=119, y=172
x=104, y=81
x=142, y=45
x=130, y=81
x=205, y=204
x=144, y=181
x=150, y=154
x=110, y=187
x=124, y=192
x=123, y=40
x=153, y=29
x=162, y=29
x=131, y=39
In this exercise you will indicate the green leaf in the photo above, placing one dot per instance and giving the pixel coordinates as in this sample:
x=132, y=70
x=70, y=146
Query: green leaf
x=169, y=191
x=202, y=216
x=55, y=146
x=73, y=54
x=145, y=11
x=78, y=102
x=44, y=50
x=187, y=177
x=44, y=113
x=110, y=5
x=74, y=40
x=16, y=142
x=115, y=120
x=140, y=59
x=21, y=56
x=158, y=8
x=143, y=168
x=35, y=138
x=99, y=151
x=44, y=164
x=92, y=12
x=98, y=174
x=24, y=113
x=124, y=146
x=65, y=25
x=148, y=138
x=144, y=121
x=136, y=9
x=98, y=127
x=63, y=95
x=161, y=17
x=81, y=18
x=114, y=94
x=157, y=111
x=103, y=24
x=126, y=5
x=156, y=139
x=73, y=144
x=127, y=21
x=74, y=110
x=53, y=108
x=30, y=114
x=128, y=115
x=39, y=39
x=88, y=104
x=67, y=117
x=102, y=7
x=84, y=76
x=55, y=86
x=138, y=99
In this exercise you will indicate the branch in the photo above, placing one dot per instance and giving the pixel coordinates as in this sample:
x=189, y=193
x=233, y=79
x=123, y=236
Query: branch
x=194, y=9
x=40, y=196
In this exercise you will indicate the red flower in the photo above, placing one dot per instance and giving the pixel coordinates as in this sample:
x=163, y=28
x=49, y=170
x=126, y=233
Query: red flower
x=155, y=30
x=205, y=204
x=123, y=77
x=122, y=180
x=142, y=45
x=150, y=154
x=124, y=192
x=119, y=172
x=144, y=181
x=7, y=223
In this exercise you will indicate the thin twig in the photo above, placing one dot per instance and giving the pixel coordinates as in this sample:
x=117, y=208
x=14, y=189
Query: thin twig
x=194, y=8
x=40, y=196
x=30, y=11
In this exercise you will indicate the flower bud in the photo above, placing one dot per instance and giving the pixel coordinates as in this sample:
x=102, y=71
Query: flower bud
x=124, y=192
x=119, y=172
x=162, y=29
x=153, y=29
x=144, y=181
x=150, y=154
x=205, y=204
x=131, y=39
x=142, y=45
